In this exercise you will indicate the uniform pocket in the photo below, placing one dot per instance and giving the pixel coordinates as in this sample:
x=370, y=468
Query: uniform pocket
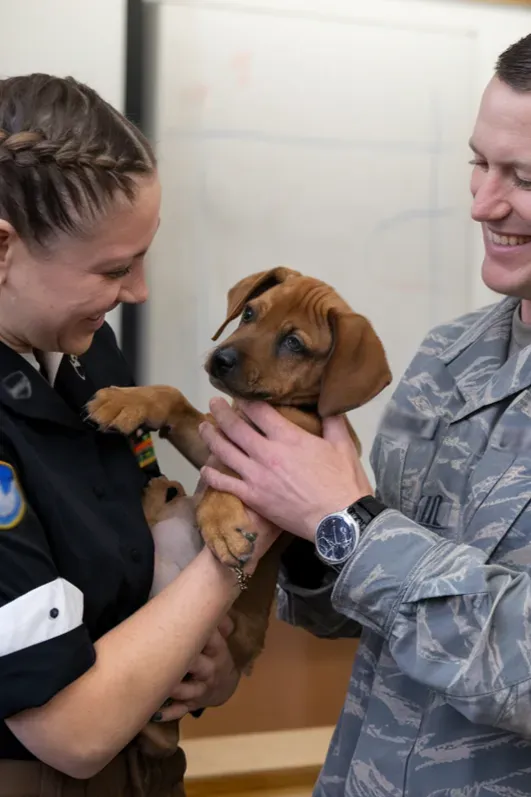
x=497, y=517
x=402, y=454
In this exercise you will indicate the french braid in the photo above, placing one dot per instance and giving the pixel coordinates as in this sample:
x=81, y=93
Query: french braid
x=31, y=148
x=64, y=155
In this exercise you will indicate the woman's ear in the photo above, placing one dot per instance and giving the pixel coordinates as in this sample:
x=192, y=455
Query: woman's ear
x=8, y=236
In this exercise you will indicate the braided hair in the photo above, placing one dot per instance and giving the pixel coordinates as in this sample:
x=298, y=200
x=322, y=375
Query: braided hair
x=65, y=154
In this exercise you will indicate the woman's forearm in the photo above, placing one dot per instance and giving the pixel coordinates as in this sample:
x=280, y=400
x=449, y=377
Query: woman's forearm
x=137, y=663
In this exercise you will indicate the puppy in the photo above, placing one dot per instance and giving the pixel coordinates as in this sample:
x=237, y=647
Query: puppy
x=299, y=347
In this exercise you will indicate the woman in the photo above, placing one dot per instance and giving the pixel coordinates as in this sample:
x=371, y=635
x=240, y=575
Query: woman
x=85, y=659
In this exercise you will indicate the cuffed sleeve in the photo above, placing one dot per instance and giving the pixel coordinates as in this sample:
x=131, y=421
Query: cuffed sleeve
x=453, y=621
x=305, y=592
x=44, y=645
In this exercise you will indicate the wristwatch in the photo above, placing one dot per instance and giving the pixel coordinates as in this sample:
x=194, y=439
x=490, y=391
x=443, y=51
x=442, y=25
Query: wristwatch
x=338, y=534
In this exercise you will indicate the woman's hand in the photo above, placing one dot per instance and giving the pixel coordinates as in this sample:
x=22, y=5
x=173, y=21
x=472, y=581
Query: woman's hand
x=211, y=680
x=287, y=475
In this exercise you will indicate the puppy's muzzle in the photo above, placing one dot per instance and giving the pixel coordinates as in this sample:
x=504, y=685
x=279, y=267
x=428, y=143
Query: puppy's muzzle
x=224, y=363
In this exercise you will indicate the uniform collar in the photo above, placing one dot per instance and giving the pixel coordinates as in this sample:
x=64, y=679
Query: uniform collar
x=26, y=392
x=478, y=360
x=52, y=362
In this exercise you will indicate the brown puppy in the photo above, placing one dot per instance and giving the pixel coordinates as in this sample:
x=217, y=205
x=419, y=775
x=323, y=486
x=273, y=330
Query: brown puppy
x=299, y=347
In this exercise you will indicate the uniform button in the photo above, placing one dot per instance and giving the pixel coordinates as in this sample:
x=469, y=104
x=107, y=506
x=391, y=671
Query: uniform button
x=136, y=556
x=99, y=492
x=54, y=613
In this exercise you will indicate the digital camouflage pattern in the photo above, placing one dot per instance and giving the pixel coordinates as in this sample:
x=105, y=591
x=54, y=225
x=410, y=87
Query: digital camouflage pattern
x=439, y=701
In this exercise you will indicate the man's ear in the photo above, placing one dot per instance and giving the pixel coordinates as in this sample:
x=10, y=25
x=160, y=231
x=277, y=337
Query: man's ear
x=250, y=287
x=7, y=239
x=357, y=369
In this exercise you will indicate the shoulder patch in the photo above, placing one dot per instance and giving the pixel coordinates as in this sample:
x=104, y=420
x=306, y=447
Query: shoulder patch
x=12, y=503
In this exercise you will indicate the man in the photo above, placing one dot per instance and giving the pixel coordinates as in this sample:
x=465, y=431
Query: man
x=439, y=579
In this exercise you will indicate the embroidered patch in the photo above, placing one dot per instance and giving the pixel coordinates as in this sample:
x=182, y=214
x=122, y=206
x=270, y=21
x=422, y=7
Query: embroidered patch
x=143, y=447
x=17, y=385
x=12, y=504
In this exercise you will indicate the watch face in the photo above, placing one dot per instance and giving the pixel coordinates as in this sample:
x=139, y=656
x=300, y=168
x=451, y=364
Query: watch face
x=336, y=538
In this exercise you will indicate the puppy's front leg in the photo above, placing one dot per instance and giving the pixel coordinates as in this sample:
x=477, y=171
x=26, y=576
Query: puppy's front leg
x=228, y=530
x=157, y=406
x=252, y=609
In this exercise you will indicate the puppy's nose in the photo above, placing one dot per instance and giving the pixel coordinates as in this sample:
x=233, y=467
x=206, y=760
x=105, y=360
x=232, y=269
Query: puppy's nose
x=224, y=361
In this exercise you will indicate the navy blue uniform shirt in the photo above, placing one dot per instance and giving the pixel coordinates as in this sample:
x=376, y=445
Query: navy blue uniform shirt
x=76, y=553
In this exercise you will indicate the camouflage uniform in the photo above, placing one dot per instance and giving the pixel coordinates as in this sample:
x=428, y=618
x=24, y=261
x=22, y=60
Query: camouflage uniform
x=439, y=701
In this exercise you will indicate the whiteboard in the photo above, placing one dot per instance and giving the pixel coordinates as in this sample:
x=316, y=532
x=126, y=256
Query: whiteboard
x=318, y=137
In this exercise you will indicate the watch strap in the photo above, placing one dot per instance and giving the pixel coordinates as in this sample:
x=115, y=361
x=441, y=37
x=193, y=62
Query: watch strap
x=365, y=510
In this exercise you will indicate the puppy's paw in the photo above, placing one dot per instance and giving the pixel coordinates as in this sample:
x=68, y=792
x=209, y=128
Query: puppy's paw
x=226, y=528
x=126, y=408
x=158, y=495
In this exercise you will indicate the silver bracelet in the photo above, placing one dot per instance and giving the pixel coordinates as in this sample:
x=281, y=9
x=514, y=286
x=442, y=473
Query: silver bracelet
x=243, y=578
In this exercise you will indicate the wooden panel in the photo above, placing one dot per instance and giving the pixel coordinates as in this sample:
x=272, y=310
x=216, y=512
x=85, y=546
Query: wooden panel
x=299, y=682
x=247, y=755
x=286, y=784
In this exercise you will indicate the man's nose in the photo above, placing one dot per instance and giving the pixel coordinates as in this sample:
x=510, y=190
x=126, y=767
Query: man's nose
x=490, y=202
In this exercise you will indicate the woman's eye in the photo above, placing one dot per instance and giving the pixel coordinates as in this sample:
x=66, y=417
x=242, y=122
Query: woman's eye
x=293, y=343
x=119, y=273
x=248, y=314
x=478, y=162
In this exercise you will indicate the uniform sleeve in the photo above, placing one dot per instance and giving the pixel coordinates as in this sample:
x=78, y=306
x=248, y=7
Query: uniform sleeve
x=44, y=645
x=454, y=622
x=304, y=595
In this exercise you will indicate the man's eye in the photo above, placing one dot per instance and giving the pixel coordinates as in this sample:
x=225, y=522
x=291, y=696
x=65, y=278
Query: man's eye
x=521, y=183
x=478, y=162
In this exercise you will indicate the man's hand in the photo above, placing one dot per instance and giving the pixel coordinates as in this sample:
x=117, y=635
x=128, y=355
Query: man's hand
x=287, y=475
x=211, y=680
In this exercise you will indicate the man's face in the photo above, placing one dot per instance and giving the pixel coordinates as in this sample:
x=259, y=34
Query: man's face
x=501, y=187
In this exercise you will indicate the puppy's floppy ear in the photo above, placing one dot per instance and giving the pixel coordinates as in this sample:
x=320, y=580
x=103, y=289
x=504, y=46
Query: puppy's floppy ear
x=357, y=369
x=250, y=287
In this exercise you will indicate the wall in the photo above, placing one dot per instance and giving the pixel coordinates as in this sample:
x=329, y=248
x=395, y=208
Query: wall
x=328, y=137
x=67, y=37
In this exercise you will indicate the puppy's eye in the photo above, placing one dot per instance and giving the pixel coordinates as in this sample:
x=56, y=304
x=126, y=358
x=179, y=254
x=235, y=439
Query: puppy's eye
x=293, y=343
x=247, y=315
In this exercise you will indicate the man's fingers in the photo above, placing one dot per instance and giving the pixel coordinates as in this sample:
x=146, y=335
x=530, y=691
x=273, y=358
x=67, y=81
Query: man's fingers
x=268, y=420
x=234, y=428
x=225, y=483
x=223, y=448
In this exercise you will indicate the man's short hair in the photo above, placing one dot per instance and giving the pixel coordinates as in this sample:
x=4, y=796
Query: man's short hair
x=513, y=66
